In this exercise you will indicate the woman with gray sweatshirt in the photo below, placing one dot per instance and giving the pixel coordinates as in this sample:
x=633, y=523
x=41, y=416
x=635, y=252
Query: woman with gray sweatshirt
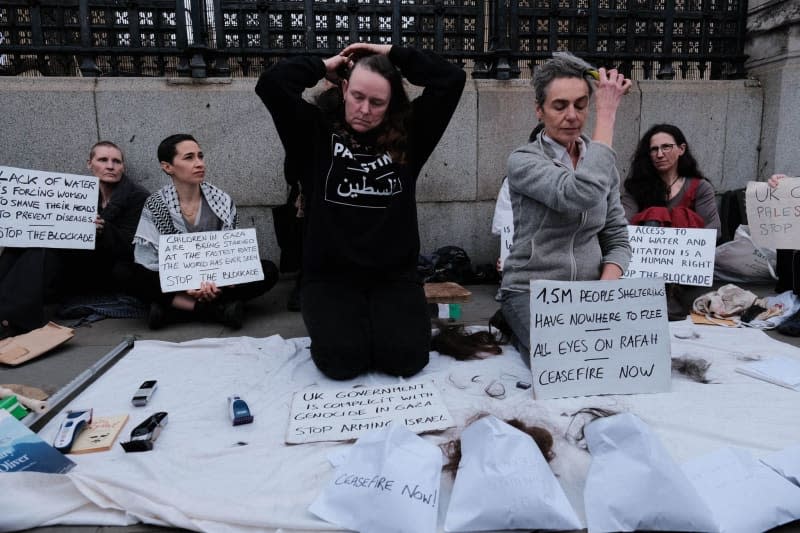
x=568, y=220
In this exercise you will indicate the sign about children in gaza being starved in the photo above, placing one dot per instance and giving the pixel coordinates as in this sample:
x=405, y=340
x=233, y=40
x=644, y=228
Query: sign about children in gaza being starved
x=599, y=337
x=47, y=209
x=361, y=180
x=227, y=257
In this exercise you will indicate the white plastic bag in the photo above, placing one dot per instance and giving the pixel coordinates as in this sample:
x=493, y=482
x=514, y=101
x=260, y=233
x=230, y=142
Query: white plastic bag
x=743, y=494
x=504, y=482
x=786, y=462
x=388, y=483
x=741, y=261
x=633, y=483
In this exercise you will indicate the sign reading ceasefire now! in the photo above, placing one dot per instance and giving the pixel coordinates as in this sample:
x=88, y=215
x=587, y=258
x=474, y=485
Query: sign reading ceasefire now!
x=774, y=214
x=41, y=209
x=223, y=257
x=599, y=337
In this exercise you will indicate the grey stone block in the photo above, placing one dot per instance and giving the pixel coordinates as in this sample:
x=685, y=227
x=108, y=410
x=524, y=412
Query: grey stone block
x=449, y=174
x=740, y=156
x=260, y=218
x=699, y=109
x=506, y=116
x=464, y=224
x=48, y=123
x=244, y=156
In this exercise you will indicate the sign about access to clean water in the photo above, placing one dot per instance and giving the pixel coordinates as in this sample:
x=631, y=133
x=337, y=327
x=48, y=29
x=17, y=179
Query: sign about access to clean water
x=331, y=415
x=773, y=214
x=227, y=257
x=599, y=337
x=677, y=255
x=41, y=209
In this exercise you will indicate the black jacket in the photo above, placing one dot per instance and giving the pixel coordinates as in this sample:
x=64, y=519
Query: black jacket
x=121, y=216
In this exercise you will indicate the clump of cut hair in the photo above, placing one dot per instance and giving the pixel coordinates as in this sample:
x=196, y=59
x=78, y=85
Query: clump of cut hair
x=561, y=65
x=579, y=420
x=542, y=437
x=453, y=340
x=694, y=368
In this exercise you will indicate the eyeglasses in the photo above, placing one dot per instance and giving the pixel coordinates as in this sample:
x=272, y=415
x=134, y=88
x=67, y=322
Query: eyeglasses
x=665, y=148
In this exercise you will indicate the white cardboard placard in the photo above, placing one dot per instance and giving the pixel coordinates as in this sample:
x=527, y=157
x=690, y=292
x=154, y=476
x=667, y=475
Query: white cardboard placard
x=774, y=214
x=345, y=414
x=678, y=255
x=599, y=337
x=47, y=209
x=506, y=240
x=227, y=257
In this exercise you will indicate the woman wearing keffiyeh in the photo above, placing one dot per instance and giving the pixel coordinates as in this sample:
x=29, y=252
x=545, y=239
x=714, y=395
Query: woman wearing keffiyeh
x=190, y=205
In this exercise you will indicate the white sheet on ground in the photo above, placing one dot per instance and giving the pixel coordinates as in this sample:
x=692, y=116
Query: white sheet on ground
x=785, y=462
x=199, y=477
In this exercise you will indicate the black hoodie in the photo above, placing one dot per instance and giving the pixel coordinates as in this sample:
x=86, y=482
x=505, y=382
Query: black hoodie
x=360, y=207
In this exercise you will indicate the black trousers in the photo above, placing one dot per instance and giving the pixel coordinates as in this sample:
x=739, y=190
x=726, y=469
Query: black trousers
x=150, y=286
x=28, y=279
x=356, y=327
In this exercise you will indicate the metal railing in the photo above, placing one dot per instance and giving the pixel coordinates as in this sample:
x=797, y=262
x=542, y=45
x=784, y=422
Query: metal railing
x=690, y=39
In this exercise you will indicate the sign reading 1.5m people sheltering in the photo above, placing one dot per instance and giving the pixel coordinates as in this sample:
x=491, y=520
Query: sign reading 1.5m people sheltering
x=599, y=337
x=47, y=209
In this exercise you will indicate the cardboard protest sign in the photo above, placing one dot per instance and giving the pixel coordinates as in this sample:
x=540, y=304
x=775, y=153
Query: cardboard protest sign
x=47, y=209
x=225, y=257
x=774, y=214
x=331, y=415
x=678, y=255
x=599, y=337
x=506, y=239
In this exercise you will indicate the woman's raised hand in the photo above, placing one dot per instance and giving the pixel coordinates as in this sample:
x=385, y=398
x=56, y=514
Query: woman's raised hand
x=360, y=49
x=611, y=86
x=774, y=179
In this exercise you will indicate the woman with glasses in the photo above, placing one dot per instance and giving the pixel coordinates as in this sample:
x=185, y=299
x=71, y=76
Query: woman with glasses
x=664, y=176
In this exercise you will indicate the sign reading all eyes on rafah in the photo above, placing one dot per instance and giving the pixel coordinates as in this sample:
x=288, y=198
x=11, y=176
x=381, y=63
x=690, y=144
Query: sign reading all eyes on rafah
x=677, y=255
x=774, y=214
x=599, y=337
x=47, y=209
x=227, y=257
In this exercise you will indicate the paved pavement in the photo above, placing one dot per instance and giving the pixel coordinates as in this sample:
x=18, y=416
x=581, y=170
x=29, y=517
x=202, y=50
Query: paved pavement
x=266, y=316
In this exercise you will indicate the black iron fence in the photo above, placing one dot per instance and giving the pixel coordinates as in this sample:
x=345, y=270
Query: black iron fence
x=689, y=39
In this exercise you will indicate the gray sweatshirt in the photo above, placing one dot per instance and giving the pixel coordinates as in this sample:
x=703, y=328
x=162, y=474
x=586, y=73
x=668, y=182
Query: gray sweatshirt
x=567, y=222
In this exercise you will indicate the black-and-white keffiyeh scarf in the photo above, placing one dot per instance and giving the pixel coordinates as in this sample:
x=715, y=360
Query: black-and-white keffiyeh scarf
x=162, y=213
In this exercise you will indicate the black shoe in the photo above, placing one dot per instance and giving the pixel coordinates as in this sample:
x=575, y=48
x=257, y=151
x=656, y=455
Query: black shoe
x=231, y=314
x=157, y=318
x=293, y=304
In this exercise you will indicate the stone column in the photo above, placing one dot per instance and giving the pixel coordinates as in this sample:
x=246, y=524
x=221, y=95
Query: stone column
x=773, y=47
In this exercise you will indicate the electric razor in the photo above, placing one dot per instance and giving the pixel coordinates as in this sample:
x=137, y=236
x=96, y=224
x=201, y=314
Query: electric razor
x=71, y=426
x=144, y=435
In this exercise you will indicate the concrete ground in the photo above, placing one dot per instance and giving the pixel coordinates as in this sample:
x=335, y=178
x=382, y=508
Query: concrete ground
x=265, y=316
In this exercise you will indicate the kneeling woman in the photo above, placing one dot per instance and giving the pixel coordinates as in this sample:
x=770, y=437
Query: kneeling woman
x=361, y=155
x=190, y=205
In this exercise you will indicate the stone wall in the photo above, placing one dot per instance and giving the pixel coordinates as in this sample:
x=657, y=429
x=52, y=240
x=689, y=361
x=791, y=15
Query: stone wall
x=49, y=124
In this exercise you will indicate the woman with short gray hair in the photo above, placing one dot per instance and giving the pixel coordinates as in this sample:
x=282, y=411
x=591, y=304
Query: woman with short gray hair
x=569, y=223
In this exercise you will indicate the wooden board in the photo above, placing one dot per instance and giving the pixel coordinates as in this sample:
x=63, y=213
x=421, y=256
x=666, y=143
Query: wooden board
x=100, y=435
x=446, y=293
